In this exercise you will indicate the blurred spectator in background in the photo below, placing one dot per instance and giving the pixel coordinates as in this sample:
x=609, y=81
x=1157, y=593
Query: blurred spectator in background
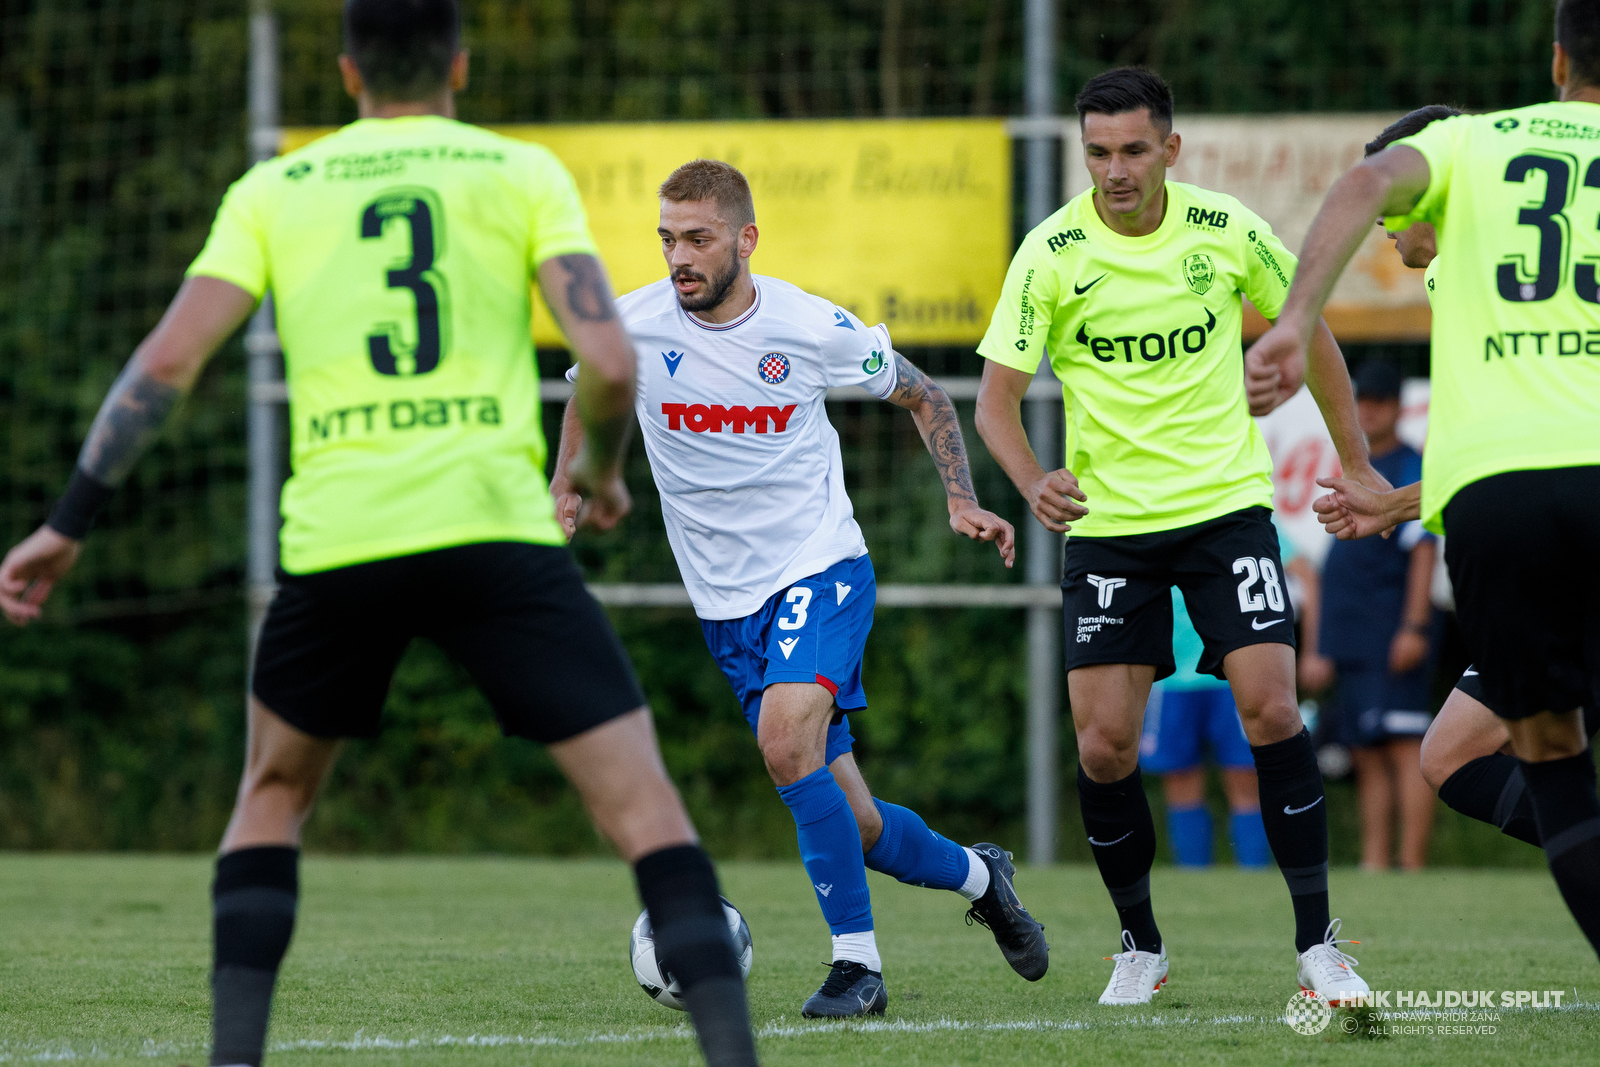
x=1188, y=712
x=1376, y=641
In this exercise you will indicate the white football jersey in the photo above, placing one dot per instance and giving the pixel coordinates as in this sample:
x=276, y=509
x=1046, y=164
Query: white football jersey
x=747, y=464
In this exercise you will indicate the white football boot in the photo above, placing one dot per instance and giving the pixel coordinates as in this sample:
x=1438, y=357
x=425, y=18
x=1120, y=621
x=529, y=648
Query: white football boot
x=1137, y=977
x=1325, y=970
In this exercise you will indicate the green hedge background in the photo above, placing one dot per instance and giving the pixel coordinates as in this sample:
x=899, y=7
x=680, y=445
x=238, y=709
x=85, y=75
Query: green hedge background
x=121, y=720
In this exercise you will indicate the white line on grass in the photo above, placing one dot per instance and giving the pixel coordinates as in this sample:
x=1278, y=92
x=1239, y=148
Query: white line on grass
x=361, y=1042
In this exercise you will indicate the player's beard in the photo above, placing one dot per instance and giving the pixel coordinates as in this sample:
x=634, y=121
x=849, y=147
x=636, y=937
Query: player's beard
x=713, y=291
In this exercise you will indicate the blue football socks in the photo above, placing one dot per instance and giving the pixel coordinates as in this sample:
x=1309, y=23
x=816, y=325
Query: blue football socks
x=830, y=847
x=1189, y=834
x=1249, y=836
x=914, y=854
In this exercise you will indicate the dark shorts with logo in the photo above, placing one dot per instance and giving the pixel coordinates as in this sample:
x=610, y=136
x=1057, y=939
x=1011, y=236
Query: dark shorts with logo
x=515, y=616
x=1521, y=551
x=1117, y=592
x=1471, y=684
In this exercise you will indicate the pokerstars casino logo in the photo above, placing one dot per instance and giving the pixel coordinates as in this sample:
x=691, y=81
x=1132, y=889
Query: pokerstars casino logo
x=773, y=368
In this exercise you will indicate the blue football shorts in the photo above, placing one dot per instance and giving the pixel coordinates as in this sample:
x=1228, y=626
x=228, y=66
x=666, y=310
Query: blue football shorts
x=813, y=631
x=1373, y=706
x=1179, y=723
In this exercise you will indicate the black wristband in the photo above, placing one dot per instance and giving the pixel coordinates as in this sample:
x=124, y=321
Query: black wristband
x=74, y=513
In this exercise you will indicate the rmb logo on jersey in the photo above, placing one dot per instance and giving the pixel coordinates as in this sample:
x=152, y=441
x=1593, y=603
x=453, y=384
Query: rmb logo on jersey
x=774, y=368
x=1199, y=272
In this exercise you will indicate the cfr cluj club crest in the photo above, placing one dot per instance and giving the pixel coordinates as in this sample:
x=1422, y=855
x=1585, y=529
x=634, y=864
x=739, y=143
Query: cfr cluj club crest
x=1199, y=272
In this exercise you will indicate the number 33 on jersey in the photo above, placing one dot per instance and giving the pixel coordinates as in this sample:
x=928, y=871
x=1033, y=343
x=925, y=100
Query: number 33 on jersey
x=399, y=253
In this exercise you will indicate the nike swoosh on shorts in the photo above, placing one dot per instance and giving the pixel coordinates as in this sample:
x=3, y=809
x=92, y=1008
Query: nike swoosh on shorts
x=1103, y=844
x=1287, y=810
x=1257, y=624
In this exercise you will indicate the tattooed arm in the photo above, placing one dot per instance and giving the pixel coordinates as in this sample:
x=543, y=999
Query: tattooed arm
x=579, y=294
x=163, y=369
x=941, y=432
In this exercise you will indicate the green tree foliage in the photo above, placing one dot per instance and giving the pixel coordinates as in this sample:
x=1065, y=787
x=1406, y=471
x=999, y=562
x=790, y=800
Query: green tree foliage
x=123, y=122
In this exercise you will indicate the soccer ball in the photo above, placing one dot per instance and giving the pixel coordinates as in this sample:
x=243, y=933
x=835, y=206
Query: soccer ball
x=658, y=983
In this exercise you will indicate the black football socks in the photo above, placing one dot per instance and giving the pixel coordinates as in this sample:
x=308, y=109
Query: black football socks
x=1492, y=789
x=1122, y=836
x=252, y=906
x=1296, y=819
x=679, y=890
x=1568, y=811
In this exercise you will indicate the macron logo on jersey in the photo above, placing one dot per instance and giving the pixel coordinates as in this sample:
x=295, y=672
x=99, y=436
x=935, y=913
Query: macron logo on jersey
x=841, y=319
x=711, y=418
x=673, y=359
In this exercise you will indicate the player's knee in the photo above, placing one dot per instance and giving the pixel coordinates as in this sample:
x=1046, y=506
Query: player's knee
x=1439, y=760
x=788, y=759
x=1108, y=756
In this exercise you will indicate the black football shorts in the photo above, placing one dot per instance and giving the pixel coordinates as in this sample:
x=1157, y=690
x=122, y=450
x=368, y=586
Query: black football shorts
x=516, y=616
x=1471, y=684
x=1116, y=594
x=1521, y=551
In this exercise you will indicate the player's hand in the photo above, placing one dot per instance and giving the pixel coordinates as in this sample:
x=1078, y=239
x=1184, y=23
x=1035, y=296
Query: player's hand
x=1407, y=651
x=1054, y=500
x=569, y=506
x=969, y=520
x=1274, y=368
x=31, y=570
x=1352, y=511
x=604, y=497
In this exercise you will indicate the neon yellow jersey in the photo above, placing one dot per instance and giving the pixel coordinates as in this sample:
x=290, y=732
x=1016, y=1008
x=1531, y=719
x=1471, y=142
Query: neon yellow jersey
x=1515, y=197
x=1144, y=333
x=399, y=253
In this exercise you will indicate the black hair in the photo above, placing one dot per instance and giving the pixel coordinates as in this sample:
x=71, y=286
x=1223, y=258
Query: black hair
x=1410, y=123
x=1124, y=89
x=1578, y=33
x=403, y=48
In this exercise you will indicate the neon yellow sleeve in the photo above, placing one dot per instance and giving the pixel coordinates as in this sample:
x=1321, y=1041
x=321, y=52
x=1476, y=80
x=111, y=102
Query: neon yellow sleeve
x=1020, y=325
x=560, y=226
x=1437, y=141
x=1269, y=267
x=236, y=250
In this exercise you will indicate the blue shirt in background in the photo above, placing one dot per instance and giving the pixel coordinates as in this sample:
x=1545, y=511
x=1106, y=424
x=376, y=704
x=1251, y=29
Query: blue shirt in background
x=1364, y=582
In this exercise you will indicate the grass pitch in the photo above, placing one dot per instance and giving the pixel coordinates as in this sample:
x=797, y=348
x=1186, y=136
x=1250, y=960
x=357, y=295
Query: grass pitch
x=485, y=962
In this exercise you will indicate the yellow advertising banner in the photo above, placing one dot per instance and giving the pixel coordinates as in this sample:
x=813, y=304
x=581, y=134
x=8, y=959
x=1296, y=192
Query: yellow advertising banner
x=907, y=223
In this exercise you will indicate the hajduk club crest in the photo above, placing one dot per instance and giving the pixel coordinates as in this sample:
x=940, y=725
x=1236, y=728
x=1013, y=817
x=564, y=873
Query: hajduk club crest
x=774, y=367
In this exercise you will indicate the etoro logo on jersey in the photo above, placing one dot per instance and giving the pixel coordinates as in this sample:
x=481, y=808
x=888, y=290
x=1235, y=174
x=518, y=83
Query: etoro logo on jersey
x=1151, y=347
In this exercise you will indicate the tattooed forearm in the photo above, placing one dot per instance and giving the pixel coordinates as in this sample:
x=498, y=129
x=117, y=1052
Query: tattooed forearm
x=940, y=428
x=588, y=294
x=129, y=419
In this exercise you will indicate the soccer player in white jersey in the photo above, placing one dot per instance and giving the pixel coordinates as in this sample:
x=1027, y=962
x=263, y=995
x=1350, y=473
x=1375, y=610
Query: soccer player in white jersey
x=734, y=371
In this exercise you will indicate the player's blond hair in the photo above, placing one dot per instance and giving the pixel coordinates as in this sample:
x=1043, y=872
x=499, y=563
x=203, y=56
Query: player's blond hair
x=712, y=179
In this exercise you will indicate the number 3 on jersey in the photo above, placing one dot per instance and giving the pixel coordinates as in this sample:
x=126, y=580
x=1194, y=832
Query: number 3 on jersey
x=797, y=601
x=1264, y=571
x=424, y=219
